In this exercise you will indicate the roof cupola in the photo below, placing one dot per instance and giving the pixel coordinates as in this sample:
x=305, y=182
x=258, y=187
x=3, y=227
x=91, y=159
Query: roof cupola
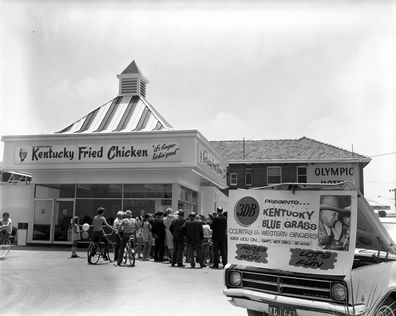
x=132, y=81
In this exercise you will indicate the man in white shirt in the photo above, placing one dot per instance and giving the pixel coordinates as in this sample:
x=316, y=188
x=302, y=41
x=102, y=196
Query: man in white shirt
x=116, y=225
x=129, y=226
x=5, y=227
x=207, y=235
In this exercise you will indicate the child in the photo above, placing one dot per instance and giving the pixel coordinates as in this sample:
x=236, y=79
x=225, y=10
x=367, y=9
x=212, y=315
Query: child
x=75, y=235
x=146, y=237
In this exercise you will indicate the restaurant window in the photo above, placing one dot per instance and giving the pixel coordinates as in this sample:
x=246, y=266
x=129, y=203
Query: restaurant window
x=149, y=206
x=233, y=179
x=150, y=197
x=274, y=175
x=99, y=190
x=55, y=191
x=248, y=179
x=87, y=209
x=145, y=191
x=188, y=200
x=302, y=174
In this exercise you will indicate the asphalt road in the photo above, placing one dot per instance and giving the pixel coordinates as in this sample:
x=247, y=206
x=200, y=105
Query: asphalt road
x=46, y=281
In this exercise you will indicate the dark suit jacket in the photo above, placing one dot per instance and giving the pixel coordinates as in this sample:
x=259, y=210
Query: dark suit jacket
x=158, y=228
x=193, y=230
x=175, y=229
x=219, y=227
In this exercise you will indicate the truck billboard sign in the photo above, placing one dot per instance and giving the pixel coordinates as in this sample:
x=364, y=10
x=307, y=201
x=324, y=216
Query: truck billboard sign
x=302, y=231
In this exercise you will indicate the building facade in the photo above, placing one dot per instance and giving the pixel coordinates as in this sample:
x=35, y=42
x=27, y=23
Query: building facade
x=258, y=163
x=123, y=155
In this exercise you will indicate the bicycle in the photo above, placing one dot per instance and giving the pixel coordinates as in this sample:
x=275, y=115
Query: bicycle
x=5, y=248
x=95, y=251
x=130, y=251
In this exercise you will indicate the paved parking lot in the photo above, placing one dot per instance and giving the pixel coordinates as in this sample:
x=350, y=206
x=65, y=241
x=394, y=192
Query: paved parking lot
x=46, y=281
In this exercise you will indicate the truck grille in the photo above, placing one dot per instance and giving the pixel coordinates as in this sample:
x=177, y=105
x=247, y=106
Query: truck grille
x=287, y=285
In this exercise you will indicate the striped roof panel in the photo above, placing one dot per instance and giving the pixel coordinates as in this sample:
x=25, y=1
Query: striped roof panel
x=122, y=114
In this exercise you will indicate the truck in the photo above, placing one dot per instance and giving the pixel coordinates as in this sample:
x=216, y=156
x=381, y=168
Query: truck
x=298, y=249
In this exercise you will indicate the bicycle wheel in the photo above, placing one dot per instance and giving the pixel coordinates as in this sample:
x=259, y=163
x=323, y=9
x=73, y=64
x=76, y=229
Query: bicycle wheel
x=125, y=255
x=93, y=253
x=5, y=248
x=111, y=253
x=131, y=256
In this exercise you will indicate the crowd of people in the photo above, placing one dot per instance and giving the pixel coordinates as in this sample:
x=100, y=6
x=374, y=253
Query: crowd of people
x=169, y=236
x=163, y=236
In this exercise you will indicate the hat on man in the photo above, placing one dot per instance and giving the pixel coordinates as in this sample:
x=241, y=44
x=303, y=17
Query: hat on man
x=169, y=210
x=128, y=213
x=181, y=213
x=219, y=209
x=192, y=214
x=120, y=213
x=332, y=203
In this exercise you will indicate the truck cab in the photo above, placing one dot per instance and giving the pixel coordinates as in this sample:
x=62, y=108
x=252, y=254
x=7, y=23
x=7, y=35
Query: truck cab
x=308, y=249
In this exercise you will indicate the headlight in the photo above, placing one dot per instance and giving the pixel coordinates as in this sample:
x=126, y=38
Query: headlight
x=339, y=291
x=235, y=278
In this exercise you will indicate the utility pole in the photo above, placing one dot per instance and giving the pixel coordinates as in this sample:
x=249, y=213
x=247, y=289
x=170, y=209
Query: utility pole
x=394, y=192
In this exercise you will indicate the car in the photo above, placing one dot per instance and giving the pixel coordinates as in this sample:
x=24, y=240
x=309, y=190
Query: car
x=282, y=259
x=390, y=225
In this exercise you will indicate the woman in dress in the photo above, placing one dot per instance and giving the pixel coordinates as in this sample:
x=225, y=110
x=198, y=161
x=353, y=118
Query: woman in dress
x=75, y=228
x=146, y=237
x=139, y=240
x=168, y=235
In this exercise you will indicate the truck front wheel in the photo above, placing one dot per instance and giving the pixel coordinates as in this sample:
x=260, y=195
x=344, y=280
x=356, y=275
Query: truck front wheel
x=252, y=312
x=387, y=308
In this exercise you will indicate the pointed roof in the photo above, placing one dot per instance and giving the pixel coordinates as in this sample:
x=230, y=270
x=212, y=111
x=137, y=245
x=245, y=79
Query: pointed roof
x=287, y=150
x=122, y=114
x=128, y=112
x=131, y=69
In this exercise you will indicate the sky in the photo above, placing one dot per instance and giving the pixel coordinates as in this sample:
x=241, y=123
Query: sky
x=325, y=70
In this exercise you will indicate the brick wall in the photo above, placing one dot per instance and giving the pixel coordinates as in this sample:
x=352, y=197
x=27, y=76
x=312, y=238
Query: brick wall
x=259, y=174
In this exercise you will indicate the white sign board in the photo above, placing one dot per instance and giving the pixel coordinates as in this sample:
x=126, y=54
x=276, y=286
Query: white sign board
x=121, y=152
x=301, y=231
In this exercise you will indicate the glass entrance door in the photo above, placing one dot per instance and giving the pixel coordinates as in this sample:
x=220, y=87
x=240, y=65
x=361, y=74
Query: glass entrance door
x=64, y=210
x=42, y=220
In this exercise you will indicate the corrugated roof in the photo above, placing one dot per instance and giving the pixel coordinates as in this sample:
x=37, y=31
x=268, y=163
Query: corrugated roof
x=122, y=114
x=283, y=149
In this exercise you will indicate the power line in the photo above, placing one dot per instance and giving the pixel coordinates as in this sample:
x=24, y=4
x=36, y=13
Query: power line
x=389, y=183
x=383, y=155
x=378, y=203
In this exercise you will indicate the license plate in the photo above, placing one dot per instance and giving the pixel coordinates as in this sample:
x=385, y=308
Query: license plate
x=281, y=311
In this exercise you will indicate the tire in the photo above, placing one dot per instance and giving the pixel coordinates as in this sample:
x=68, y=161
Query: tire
x=111, y=253
x=93, y=253
x=125, y=255
x=132, y=256
x=5, y=248
x=387, y=308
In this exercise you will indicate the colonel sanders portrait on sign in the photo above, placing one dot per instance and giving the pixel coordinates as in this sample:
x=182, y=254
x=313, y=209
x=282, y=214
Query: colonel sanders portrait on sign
x=334, y=222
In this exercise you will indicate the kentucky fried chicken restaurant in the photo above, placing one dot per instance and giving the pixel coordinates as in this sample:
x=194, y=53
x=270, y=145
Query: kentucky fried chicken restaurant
x=121, y=156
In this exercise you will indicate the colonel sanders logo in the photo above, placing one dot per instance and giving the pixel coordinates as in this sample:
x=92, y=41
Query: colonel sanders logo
x=23, y=154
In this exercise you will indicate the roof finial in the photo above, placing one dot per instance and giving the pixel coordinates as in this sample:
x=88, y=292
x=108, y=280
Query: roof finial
x=132, y=81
